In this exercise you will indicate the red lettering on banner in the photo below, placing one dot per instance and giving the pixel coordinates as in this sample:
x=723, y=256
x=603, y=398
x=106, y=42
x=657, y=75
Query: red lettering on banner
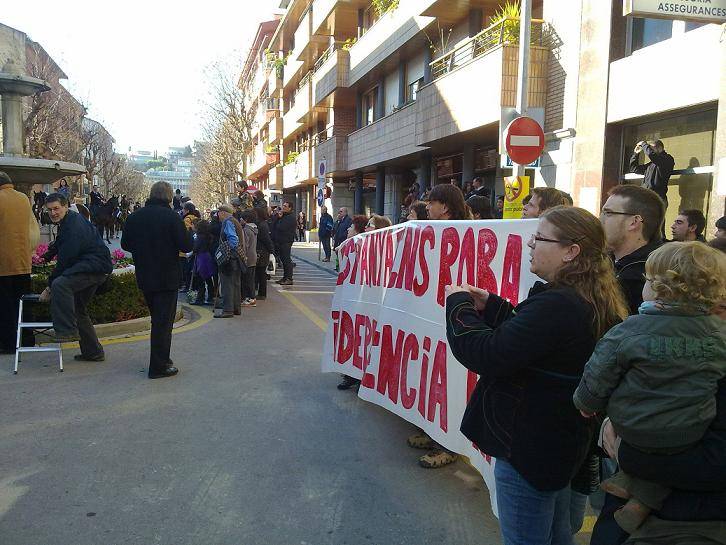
x=424, y=376
x=354, y=272
x=394, y=275
x=511, y=270
x=471, y=380
x=427, y=235
x=335, y=316
x=449, y=253
x=375, y=257
x=466, y=259
x=389, y=365
x=408, y=259
x=345, y=256
x=363, y=259
x=410, y=352
x=373, y=338
x=346, y=344
x=438, y=390
x=487, y=245
x=388, y=260
x=360, y=321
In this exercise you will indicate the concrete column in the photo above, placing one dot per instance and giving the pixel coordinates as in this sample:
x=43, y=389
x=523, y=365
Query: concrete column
x=427, y=65
x=298, y=201
x=401, y=83
x=358, y=199
x=476, y=21
x=467, y=169
x=12, y=117
x=718, y=200
x=425, y=167
x=380, y=190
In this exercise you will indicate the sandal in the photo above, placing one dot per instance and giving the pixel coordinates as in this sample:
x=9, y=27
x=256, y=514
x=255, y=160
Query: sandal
x=437, y=458
x=420, y=440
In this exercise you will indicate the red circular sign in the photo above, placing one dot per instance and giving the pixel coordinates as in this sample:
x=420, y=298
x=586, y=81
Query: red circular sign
x=524, y=140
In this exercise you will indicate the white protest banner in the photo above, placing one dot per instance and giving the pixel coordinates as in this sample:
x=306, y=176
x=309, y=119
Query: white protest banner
x=387, y=322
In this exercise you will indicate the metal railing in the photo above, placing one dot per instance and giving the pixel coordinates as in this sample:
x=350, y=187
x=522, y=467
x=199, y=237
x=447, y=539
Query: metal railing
x=304, y=81
x=326, y=55
x=505, y=31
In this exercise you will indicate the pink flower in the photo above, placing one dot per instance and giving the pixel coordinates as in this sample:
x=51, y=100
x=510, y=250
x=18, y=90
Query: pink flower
x=118, y=254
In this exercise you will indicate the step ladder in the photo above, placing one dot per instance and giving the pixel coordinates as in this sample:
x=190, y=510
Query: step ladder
x=35, y=326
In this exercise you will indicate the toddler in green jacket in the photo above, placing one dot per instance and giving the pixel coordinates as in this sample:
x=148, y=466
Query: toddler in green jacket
x=656, y=373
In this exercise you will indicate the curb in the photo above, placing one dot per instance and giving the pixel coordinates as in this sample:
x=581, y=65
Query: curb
x=316, y=265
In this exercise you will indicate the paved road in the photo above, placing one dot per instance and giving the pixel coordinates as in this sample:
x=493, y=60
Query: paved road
x=249, y=444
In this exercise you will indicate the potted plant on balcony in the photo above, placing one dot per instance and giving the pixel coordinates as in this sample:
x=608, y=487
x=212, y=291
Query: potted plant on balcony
x=384, y=6
x=272, y=153
x=508, y=16
x=291, y=157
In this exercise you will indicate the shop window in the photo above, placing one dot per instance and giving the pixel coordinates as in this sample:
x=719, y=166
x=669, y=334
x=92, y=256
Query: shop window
x=647, y=32
x=690, y=140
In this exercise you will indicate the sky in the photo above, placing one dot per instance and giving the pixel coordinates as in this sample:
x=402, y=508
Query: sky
x=140, y=66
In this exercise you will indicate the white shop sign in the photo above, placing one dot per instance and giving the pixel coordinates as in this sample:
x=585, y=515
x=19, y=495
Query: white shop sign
x=709, y=11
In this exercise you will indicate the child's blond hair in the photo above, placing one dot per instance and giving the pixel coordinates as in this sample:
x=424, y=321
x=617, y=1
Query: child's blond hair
x=690, y=273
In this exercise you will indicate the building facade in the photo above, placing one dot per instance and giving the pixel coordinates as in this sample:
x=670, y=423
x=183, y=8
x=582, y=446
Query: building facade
x=420, y=92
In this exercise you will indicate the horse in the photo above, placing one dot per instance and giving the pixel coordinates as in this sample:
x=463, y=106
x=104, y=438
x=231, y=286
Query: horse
x=105, y=218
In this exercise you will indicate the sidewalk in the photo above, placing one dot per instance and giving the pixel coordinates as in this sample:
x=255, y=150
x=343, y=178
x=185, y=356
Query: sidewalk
x=308, y=252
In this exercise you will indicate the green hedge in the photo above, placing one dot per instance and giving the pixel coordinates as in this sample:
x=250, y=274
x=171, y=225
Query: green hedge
x=124, y=301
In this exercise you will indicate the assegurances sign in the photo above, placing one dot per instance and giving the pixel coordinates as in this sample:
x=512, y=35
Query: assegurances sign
x=708, y=11
x=386, y=325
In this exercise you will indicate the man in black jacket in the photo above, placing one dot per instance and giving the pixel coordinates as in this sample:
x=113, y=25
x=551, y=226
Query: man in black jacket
x=632, y=218
x=284, y=237
x=83, y=264
x=658, y=171
x=155, y=235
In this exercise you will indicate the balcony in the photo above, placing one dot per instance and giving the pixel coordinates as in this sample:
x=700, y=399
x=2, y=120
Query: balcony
x=389, y=34
x=274, y=81
x=291, y=71
x=297, y=172
x=305, y=39
x=300, y=109
x=388, y=138
x=330, y=72
x=335, y=152
x=275, y=129
x=274, y=178
x=455, y=101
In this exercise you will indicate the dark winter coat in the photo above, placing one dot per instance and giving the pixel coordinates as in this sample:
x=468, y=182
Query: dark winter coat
x=264, y=244
x=155, y=235
x=285, y=229
x=341, y=230
x=325, y=226
x=79, y=248
x=657, y=172
x=697, y=475
x=530, y=360
x=629, y=271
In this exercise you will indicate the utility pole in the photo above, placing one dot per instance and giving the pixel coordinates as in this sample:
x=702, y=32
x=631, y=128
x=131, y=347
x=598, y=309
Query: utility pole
x=525, y=24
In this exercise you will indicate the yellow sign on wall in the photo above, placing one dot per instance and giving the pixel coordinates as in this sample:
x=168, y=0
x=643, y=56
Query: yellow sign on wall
x=516, y=188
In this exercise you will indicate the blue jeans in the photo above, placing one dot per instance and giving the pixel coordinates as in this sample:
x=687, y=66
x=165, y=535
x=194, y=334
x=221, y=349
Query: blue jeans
x=528, y=516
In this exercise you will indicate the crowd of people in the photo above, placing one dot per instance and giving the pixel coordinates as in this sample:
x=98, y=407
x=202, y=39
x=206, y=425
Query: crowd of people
x=620, y=386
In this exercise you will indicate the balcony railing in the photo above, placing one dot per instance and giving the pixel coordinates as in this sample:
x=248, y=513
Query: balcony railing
x=501, y=32
x=326, y=55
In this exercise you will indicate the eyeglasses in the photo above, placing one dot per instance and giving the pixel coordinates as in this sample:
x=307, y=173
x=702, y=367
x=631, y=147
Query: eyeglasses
x=607, y=212
x=536, y=238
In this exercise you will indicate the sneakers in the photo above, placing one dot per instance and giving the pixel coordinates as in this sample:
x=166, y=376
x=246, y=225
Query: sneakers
x=437, y=458
x=249, y=303
x=420, y=440
x=285, y=282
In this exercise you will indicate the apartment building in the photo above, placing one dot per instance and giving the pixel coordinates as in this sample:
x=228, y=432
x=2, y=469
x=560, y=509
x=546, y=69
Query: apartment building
x=260, y=82
x=420, y=91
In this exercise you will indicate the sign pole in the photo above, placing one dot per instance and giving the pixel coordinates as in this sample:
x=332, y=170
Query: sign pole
x=525, y=23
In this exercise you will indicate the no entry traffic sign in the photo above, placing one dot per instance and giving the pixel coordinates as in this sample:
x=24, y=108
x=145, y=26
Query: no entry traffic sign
x=524, y=140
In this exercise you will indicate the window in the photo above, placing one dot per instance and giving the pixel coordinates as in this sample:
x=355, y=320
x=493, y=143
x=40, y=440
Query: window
x=412, y=90
x=693, y=25
x=368, y=107
x=650, y=31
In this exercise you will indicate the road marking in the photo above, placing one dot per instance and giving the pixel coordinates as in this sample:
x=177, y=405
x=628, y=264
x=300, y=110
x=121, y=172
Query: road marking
x=205, y=316
x=302, y=307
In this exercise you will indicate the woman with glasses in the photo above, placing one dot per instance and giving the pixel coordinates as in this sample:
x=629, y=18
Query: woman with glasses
x=530, y=360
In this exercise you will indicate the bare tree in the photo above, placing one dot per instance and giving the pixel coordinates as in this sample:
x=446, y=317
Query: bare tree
x=227, y=130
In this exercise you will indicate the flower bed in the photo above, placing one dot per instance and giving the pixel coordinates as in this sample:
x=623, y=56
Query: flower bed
x=123, y=301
